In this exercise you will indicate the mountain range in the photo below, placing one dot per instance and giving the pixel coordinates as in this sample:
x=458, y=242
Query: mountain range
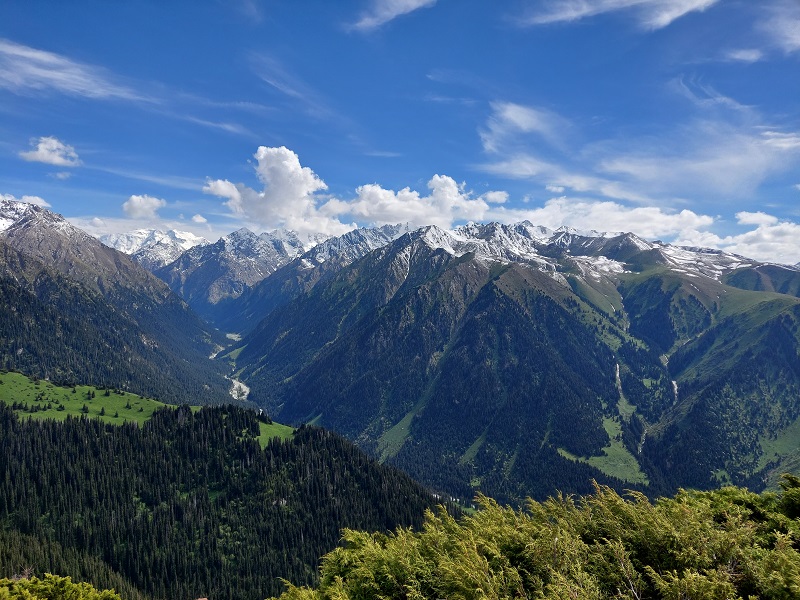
x=515, y=359
x=509, y=359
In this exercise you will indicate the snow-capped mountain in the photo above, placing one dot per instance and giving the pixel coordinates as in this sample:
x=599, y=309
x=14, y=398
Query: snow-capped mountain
x=153, y=248
x=567, y=249
x=207, y=274
x=12, y=211
x=352, y=245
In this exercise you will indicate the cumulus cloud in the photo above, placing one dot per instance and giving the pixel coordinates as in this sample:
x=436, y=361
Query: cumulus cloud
x=650, y=14
x=292, y=197
x=288, y=198
x=381, y=12
x=755, y=218
x=52, y=151
x=199, y=219
x=28, y=199
x=772, y=240
x=446, y=203
x=496, y=197
x=646, y=221
x=143, y=207
x=24, y=70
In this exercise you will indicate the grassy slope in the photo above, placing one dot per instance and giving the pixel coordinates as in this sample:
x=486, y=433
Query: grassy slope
x=15, y=387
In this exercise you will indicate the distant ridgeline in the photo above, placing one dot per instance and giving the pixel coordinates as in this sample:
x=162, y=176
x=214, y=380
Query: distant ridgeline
x=187, y=504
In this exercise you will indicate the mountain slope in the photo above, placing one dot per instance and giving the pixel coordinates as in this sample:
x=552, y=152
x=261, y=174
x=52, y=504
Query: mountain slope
x=520, y=360
x=206, y=276
x=422, y=355
x=242, y=313
x=76, y=310
x=189, y=505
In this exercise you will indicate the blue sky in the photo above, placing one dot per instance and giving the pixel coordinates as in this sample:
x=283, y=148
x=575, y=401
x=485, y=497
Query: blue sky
x=676, y=119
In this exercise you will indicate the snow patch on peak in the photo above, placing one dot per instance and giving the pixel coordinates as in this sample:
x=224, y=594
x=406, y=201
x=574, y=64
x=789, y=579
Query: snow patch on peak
x=12, y=211
x=153, y=248
x=437, y=238
x=140, y=239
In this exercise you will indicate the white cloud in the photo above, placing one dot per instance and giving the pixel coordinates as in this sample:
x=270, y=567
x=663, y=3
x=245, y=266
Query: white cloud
x=495, y=197
x=28, y=199
x=650, y=14
x=446, y=203
x=381, y=12
x=52, y=151
x=199, y=219
x=781, y=140
x=509, y=120
x=646, y=221
x=288, y=199
x=291, y=198
x=772, y=240
x=62, y=175
x=24, y=70
x=746, y=55
x=782, y=27
x=755, y=218
x=143, y=207
x=726, y=152
x=301, y=95
x=708, y=157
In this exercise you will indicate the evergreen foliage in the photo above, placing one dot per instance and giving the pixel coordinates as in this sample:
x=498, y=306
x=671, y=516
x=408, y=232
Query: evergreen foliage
x=189, y=504
x=51, y=587
x=726, y=544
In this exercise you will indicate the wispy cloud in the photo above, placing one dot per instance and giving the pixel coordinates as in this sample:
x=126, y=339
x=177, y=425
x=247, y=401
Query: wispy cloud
x=234, y=128
x=510, y=120
x=172, y=181
x=725, y=152
x=381, y=12
x=745, y=55
x=52, y=151
x=272, y=72
x=249, y=9
x=782, y=25
x=650, y=14
x=26, y=70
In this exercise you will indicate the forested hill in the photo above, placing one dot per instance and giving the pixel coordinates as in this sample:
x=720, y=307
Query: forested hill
x=187, y=505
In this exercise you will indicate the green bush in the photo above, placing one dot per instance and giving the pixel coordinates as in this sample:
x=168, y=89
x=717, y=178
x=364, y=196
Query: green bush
x=51, y=588
x=723, y=544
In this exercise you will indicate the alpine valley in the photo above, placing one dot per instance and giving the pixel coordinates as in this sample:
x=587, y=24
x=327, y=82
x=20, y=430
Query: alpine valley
x=515, y=360
x=508, y=359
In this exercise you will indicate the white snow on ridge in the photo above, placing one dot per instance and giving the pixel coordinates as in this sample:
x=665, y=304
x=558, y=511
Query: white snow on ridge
x=12, y=211
x=139, y=239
